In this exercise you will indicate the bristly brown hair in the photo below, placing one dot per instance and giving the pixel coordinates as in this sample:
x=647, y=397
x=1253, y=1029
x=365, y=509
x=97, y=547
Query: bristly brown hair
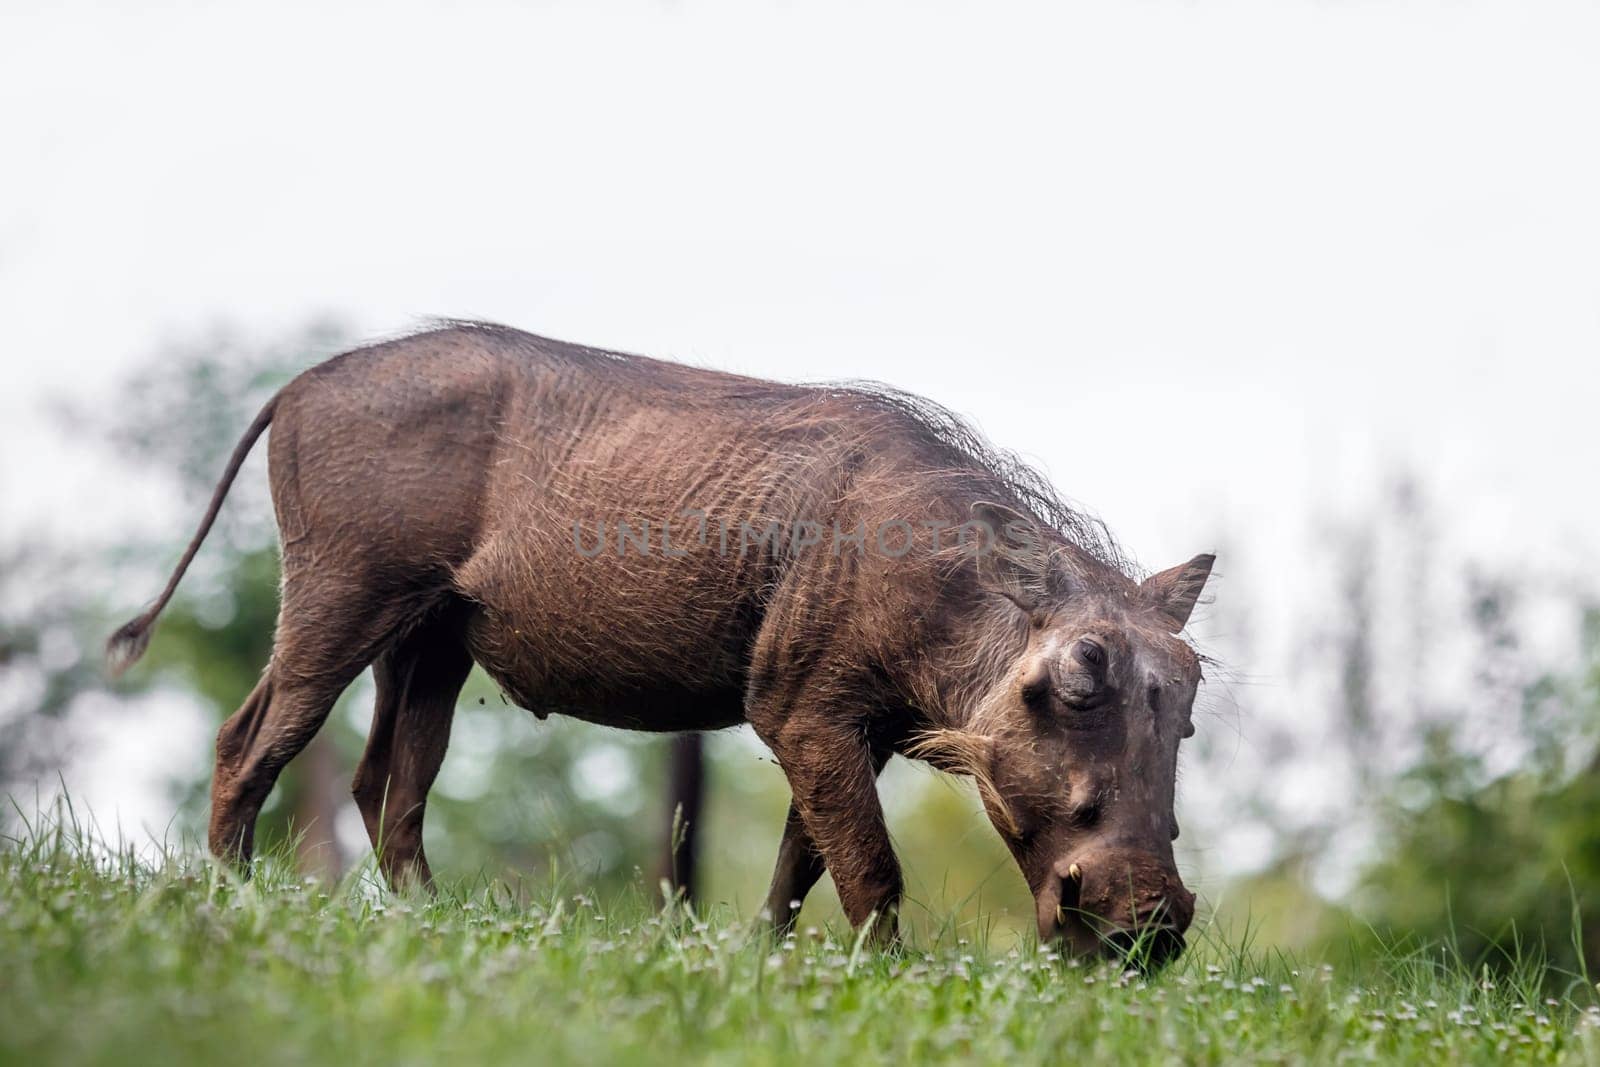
x=964, y=752
x=998, y=473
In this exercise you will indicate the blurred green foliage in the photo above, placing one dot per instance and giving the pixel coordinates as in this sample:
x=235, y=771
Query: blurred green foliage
x=1480, y=865
x=45, y=664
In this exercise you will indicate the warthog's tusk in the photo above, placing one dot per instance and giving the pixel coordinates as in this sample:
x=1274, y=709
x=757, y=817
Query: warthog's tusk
x=1075, y=872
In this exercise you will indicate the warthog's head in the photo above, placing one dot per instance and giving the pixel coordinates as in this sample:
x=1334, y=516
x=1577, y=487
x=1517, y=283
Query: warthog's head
x=1075, y=752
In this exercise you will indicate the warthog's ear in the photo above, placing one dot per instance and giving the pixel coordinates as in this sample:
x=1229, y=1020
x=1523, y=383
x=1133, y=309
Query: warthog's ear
x=964, y=752
x=1013, y=554
x=1175, y=591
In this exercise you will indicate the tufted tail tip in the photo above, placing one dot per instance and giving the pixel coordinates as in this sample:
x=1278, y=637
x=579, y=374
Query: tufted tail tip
x=124, y=647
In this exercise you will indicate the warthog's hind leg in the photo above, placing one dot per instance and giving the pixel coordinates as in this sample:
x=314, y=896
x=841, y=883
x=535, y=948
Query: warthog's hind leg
x=328, y=631
x=418, y=682
x=276, y=721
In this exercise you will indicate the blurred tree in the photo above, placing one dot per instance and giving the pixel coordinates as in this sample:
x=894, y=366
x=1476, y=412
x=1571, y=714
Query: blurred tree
x=679, y=866
x=1483, y=864
x=44, y=662
x=1463, y=754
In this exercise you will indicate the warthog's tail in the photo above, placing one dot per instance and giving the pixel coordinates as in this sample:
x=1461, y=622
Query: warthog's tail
x=126, y=645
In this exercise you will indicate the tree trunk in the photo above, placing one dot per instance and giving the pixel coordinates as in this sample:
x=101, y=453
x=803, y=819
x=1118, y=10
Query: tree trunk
x=686, y=782
x=318, y=795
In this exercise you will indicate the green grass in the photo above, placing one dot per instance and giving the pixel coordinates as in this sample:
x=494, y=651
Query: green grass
x=120, y=955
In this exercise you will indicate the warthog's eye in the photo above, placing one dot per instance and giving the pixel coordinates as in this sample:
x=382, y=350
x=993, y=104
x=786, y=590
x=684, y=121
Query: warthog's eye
x=1090, y=653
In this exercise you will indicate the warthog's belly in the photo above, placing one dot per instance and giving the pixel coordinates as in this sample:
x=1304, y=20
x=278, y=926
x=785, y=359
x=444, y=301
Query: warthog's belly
x=555, y=669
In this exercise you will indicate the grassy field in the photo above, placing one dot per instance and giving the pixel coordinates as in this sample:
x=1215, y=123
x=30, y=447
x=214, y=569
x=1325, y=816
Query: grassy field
x=135, y=956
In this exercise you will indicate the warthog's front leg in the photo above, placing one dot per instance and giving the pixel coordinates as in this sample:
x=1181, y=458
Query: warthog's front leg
x=833, y=777
x=800, y=866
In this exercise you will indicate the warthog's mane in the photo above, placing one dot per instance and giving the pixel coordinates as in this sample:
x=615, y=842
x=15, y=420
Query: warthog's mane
x=987, y=470
x=948, y=446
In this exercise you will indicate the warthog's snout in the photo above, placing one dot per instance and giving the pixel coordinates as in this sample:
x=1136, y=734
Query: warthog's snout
x=1119, y=902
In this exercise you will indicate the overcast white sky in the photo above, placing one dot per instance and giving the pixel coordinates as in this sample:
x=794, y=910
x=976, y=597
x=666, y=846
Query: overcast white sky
x=1216, y=267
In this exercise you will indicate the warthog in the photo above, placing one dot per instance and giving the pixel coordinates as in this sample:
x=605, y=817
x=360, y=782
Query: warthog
x=850, y=570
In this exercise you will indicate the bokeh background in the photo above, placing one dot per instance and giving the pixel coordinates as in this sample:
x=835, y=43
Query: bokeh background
x=1313, y=285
